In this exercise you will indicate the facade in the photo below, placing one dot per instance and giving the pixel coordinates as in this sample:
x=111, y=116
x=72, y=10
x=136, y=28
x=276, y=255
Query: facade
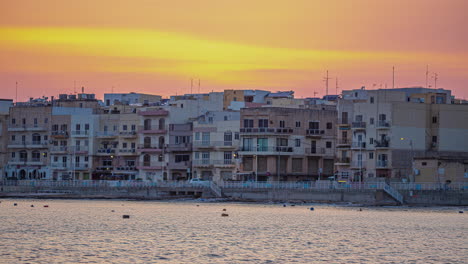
x=381, y=131
x=131, y=99
x=440, y=170
x=284, y=144
x=5, y=105
x=215, y=144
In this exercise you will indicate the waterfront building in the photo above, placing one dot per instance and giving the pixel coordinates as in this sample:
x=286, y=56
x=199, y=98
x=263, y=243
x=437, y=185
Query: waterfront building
x=215, y=144
x=131, y=99
x=381, y=131
x=287, y=144
x=5, y=105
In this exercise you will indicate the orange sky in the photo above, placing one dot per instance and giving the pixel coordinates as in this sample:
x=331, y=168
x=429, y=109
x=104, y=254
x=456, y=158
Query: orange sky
x=158, y=46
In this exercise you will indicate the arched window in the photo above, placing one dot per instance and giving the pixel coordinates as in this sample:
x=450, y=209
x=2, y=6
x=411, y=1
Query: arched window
x=147, y=125
x=161, y=142
x=36, y=139
x=162, y=123
x=147, y=142
x=146, y=160
x=36, y=156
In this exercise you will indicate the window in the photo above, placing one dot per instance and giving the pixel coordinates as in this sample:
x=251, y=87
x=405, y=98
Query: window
x=263, y=123
x=86, y=158
x=13, y=121
x=371, y=155
x=133, y=127
x=124, y=127
x=329, y=125
x=46, y=120
x=13, y=137
x=205, y=156
x=371, y=141
x=281, y=123
x=46, y=137
x=434, y=139
x=372, y=100
x=115, y=128
x=297, y=165
x=424, y=163
x=313, y=125
x=55, y=159
x=297, y=142
x=24, y=121
x=227, y=138
x=359, y=118
x=146, y=160
x=197, y=135
x=13, y=155
x=35, y=121
x=86, y=126
x=298, y=123
x=197, y=155
x=78, y=127
x=77, y=159
x=225, y=118
x=181, y=158
x=262, y=144
x=181, y=105
x=227, y=155
x=434, y=119
x=282, y=142
x=124, y=145
x=371, y=121
x=205, y=138
x=328, y=144
x=36, y=138
x=248, y=122
x=236, y=135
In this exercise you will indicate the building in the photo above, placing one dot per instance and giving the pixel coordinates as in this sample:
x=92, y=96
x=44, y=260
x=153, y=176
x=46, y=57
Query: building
x=381, y=131
x=5, y=105
x=215, y=143
x=286, y=144
x=131, y=99
x=440, y=170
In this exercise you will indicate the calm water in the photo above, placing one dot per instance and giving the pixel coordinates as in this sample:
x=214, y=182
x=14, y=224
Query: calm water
x=176, y=232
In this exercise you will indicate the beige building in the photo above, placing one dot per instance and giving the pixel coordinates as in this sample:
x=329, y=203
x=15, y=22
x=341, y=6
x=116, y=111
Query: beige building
x=381, y=131
x=215, y=142
x=5, y=105
x=285, y=144
x=440, y=170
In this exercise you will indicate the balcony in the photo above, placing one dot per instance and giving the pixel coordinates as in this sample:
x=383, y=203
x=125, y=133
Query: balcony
x=19, y=128
x=358, y=125
x=59, y=165
x=78, y=149
x=183, y=165
x=266, y=131
x=27, y=144
x=105, y=151
x=343, y=142
x=200, y=144
x=104, y=168
x=151, y=130
x=159, y=112
x=315, y=151
x=150, y=148
x=79, y=166
x=358, y=164
x=127, y=152
x=383, y=124
x=205, y=163
x=343, y=122
x=266, y=150
x=382, y=144
x=106, y=134
x=128, y=134
x=58, y=149
x=343, y=161
x=315, y=132
x=382, y=164
x=80, y=133
x=59, y=134
x=359, y=145
x=180, y=147
x=126, y=169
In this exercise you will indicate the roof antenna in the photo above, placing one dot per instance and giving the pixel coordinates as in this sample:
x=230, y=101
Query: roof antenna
x=198, y=85
x=336, y=87
x=326, y=83
x=427, y=73
x=393, y=77
x=191, y=86
x=436, y=77
x=16, y=95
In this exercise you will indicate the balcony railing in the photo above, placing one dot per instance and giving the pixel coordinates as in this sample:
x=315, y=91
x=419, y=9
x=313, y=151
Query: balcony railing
x=159, y=112
x=27, y=128
x=183, y=165
x=152, y=130
x=78, y=148
x=344, y=141
x=383, y=124
x=127, y=151
x=59, y=149
x=358, y=164
x=315, y=132
x=32, y=144
x=209, y=162
x=80, y=133
x=151, y=147
x=266, y=149
x=382, y=164
x=208, y=144
x=266, y=130
x=382, y=143
x=343, y=160
x=180, y=147
x=127, y=133
x=59, y=133
x=359, y=144
x=79, y=166
x=359, y=125
x=318, y=151
x=106, y=151
x=106, y=134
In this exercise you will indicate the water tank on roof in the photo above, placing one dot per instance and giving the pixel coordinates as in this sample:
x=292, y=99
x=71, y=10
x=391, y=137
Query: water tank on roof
x=62, y=96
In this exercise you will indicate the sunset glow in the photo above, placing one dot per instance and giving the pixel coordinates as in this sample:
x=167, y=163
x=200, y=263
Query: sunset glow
x=157, y=47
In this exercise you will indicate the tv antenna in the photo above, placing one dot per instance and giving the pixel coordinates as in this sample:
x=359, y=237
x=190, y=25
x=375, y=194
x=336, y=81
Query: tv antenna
x=326, y=78
x=436, y=77
x=427, y=74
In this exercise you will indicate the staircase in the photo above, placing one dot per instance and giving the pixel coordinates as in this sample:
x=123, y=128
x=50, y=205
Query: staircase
x=393, y=193
x=216, y=189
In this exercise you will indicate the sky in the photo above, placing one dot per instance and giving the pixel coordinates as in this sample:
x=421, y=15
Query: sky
x=150, y=46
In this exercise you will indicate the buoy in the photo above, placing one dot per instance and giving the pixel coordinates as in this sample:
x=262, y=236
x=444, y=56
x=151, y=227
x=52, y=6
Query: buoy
x=198, y=205
x=113, y=211
x=15, y=204
x=223, y=214
x=461, y=212
x=125, y=216
x=224, y=210
x=46, y=205
x=32, y=205
x=360, y=209
x=284, y=205
x=293, y=205
x=311, y=208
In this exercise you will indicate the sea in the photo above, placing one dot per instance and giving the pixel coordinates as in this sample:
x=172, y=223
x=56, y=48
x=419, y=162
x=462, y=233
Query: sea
x=195, y=231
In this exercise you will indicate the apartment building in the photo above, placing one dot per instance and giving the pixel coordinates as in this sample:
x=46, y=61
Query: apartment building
x=179, y=151
x=28, y=140
x=380, y=132
x=5, y=105
x=131, y=99
x=286, y=144
x=215, y=144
